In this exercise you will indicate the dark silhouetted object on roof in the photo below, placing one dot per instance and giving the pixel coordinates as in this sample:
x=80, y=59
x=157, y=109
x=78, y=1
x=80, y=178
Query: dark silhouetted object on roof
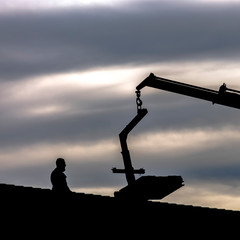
x=30, y=211
x=58, y=178
x=145, y=187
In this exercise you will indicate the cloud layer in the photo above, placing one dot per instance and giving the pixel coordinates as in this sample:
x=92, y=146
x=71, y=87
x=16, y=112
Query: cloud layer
x=67, y=86
x=83, y=38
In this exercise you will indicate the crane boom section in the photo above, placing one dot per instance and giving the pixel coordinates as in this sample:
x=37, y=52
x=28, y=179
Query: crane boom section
x=222, y=97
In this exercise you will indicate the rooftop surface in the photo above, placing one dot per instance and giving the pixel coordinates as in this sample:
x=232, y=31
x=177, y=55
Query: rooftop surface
x=36, y=209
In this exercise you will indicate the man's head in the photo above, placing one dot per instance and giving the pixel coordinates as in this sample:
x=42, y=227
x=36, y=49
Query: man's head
x=60, y=162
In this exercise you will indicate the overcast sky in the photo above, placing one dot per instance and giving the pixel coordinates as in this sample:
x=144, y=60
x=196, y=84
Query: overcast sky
x=68, y=73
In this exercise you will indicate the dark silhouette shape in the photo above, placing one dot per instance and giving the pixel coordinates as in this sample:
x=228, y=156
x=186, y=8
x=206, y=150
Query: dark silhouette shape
x=129, y=170
x=145, y=187
x=25, y=209
x=225, y=96
x=58, y=178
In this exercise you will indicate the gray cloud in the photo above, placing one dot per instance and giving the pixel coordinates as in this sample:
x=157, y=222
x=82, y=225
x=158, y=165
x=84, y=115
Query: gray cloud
x=50, y=42
x=91, y=120
x=104, y=117
x=42, y=43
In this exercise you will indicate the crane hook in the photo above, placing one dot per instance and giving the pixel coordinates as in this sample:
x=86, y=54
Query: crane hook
x=138, y=100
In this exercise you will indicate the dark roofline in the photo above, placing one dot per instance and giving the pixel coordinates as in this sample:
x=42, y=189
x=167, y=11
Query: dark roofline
x=9, y=190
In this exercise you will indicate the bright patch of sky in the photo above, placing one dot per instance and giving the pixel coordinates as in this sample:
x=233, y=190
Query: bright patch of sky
x=25, y=5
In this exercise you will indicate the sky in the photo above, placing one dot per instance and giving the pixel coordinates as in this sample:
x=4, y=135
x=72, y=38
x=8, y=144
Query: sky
x=68, y=73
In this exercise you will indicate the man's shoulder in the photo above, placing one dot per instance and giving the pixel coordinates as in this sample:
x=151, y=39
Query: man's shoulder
x=58, y=173
x=55, y=172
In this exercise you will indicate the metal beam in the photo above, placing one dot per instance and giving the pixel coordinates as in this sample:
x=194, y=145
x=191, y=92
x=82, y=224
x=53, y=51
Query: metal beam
x=129, y=170
x=223, y=98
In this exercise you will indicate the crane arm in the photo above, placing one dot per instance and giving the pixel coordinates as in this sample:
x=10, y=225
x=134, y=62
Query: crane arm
x=151, y=187
x=129, y=170
x=225, y=96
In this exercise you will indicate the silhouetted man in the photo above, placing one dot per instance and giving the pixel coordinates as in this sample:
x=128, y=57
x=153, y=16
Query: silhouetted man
x=58, y=178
